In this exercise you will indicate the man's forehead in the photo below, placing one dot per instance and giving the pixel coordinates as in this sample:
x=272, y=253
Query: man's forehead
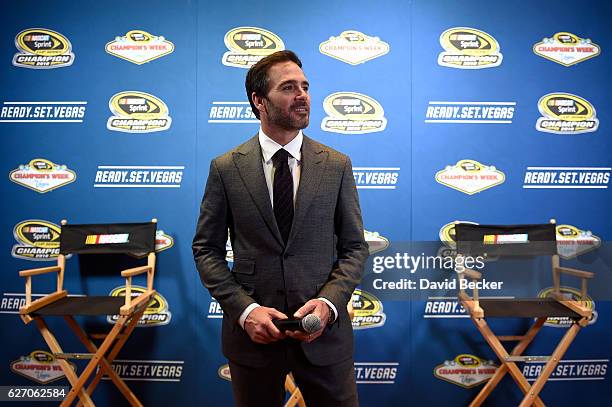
x=286, y=71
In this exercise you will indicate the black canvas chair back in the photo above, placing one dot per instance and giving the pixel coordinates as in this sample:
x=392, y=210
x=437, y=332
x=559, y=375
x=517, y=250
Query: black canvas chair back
x=108, y=238
x=506, y=240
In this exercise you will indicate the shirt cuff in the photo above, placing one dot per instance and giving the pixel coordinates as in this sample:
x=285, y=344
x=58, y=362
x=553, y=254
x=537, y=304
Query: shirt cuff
x=246, y=313
x=332, y=307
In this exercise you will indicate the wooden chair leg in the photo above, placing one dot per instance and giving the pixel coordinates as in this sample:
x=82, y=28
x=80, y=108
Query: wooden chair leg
x=295, y=395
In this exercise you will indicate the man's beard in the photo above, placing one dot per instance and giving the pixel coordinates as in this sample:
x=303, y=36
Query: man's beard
x=287, y=121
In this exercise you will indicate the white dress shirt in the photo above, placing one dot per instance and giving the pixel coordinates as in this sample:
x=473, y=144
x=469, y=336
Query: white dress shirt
x=269, y=147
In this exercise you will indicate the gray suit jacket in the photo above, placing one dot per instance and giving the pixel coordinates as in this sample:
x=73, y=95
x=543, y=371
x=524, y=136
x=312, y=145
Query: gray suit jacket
x=324, y=255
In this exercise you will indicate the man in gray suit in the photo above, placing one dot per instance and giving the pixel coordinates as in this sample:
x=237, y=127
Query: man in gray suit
x=294, y=221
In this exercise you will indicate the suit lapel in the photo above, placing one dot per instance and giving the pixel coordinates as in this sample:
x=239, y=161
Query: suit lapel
x=312, y=169
x=248, y=162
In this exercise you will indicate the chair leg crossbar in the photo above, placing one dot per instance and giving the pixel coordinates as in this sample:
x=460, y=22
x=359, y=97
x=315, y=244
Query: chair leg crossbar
x=508, y=361
x=101, y=357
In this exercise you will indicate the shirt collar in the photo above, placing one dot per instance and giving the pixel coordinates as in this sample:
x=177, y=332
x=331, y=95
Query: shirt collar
x=269, y=147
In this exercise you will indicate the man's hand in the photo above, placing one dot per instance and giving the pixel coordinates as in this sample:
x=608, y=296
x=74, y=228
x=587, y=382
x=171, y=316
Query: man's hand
x=316, y=307
x=259, y=326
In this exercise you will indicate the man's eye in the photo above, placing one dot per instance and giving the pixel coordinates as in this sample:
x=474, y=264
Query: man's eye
x=287, y=87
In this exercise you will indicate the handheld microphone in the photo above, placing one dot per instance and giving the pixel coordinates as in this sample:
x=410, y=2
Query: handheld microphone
x=309, y=324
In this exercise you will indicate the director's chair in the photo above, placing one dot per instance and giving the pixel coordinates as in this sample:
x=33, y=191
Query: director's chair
x=521, y=241
x=94, y=239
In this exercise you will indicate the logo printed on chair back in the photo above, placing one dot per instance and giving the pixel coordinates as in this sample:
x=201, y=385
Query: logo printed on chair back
x=368, y=310
x=566, y=49
x=249, y=45
x=354, y=47
x=137, y=112
x=468, y=48
x=42, y=175
x=39, y=366
x=117, y=238
x=572, y=242
x=157, y=312
x=139, y=47
x=36, y=240
x=470, y=176
x=465, y=370
x=41, y=48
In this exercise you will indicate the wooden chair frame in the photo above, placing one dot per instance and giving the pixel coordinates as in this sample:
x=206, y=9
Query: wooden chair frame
x=508, y=360
x=100, y=356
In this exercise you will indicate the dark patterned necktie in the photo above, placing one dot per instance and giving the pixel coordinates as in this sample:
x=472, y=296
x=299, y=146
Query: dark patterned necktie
x=282, y=192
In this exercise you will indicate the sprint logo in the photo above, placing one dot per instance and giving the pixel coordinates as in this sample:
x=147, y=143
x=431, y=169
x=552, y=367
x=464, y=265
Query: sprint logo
x=41, y=48
x=352, y=113
x=567, y=178
x=468, y=48
x=368, y=310
x=36, y=240
x=564, y=113
x=470, y=112
x=137, y=112
x=134, y=176
x=248, y=45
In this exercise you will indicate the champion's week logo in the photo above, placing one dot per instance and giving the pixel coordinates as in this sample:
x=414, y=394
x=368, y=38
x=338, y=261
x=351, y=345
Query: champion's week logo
x=352, y=113
x=137, y=112
x=572, y=241
x=148, y=370
x=36, y=240
x=231, y=112
x=376, y=242
x=468, y=48
x=376, y=177
x=157, y=312
x=570, y=370
x=470, y=112
x=139, y=176
x=354, y=47
x=376, y=372
x=564, y=113
x=42, y=112
x=567, y=178
x=470, y=176
x=42, y=175
x=39, y=366
x=41, y=48
x=571, y=294
x=566, y=49
x=465, y=370
x=368, y=310
x=139, y=47
x=248, y=45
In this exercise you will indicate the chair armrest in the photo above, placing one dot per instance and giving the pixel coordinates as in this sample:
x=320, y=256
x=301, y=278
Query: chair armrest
x=42, y=270
x=135, y=271
x=473, y=274
x=575, y=272
x=131, y=305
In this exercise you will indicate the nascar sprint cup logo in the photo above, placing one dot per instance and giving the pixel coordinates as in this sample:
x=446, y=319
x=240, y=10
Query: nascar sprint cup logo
x=157, y=312
x=40, y=48
x=368, y=310
x=470, y=176
x=352, y=113
x=42, y=175
x=564, y=113
x=137, y=112
x=139, y=47
x=36, y=240
x=354, y=47
x=468, y=48
x=248, y=45
x=572, y=294
x=566, y=49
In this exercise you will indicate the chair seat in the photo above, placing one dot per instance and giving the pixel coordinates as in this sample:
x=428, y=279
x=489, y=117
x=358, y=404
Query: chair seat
x=93, y=305
x=525, y=308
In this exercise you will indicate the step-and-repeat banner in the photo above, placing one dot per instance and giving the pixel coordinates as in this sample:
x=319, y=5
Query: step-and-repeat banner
x=471, y=111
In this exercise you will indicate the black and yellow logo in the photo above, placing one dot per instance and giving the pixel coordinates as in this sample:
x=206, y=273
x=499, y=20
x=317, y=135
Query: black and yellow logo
x=573, y=242
x=564, y=113
x=571, y=294
x=248, y=45
x=157, y=312
x=41, y=48
x=353, y=113
x=137, y=112
x=368, y=310
x=37, y=240
x=468, y=48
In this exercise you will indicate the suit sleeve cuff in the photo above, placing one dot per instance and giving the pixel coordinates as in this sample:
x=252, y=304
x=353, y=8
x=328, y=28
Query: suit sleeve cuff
x=246, y=313
x=332, y=307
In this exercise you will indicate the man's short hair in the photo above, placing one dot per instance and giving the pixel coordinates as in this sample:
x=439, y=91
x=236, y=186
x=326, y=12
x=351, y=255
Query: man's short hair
x=257, y=79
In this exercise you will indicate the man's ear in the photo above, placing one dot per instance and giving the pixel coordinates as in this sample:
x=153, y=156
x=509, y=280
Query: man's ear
x=258, y=101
